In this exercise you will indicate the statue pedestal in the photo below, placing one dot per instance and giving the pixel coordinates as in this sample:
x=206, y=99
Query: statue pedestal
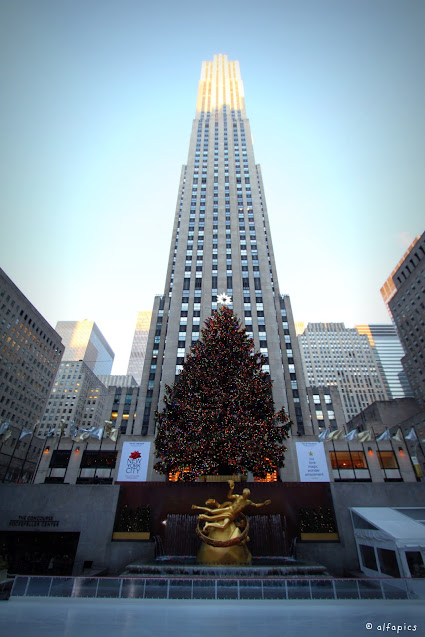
x=234, y=554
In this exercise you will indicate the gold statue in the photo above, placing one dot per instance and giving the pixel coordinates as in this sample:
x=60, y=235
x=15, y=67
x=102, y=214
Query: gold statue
x=223, y=537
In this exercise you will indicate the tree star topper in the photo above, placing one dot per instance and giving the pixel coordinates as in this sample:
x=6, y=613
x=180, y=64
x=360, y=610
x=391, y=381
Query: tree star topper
x=224, y=299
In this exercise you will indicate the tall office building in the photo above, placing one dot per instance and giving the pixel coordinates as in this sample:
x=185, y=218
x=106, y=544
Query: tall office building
x=77, y=397
x=335, y=355
x=138, y=348
x=30, y=353
x=406, y=302
x=221, y=243
x=384, y=339
x=84, y=341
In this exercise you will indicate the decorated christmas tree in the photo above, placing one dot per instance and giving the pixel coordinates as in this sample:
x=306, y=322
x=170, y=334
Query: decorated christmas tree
x=219, y=415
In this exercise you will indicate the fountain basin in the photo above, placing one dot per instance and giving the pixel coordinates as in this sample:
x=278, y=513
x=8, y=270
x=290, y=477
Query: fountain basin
x=261, y=568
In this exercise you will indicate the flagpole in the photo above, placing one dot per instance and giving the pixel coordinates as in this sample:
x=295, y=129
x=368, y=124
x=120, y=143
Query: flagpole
x=26, y=455
x=2, y=443
x=39, y=460
x=395, y=456
x=115, y=448
x=336, y=459
x=11, y=458
x=410, y=456
x=379, y=454
x=99, y=450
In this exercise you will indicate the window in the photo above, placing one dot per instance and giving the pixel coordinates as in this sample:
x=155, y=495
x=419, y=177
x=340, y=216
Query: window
x=368, y=556
x=99, y=459
x=387, y=460
x=348, y=460
x=388, y=562
x=60, y=459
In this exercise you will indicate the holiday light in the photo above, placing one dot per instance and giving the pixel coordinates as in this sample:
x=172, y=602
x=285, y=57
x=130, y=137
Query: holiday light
x=219, y=415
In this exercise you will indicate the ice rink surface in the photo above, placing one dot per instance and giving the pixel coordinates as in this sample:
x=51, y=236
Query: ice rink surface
x=175, y=618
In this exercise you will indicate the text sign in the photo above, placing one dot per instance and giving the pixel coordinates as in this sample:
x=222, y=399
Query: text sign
x=312, y=462
x=134, y=462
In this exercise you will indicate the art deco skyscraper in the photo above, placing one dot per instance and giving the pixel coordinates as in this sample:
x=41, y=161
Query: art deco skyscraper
x=138, y=348
x=221, y=243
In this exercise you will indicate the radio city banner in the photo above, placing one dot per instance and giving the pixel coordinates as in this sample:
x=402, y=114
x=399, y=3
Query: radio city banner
x=312, y=462
x=134, y=462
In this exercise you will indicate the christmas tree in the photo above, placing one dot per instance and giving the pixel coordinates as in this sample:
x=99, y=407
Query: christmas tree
x=219, y=415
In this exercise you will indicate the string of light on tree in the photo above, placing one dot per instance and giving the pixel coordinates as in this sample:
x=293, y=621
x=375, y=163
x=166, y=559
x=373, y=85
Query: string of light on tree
x=220, y=410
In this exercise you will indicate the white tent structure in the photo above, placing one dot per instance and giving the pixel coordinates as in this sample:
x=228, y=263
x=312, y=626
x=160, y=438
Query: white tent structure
x=390, y=541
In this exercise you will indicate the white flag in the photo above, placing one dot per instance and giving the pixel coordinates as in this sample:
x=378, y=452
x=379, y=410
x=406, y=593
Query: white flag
x=4, y=427
x=24, y=432
x=92, y=432
x=398, y=436
x=365, y=436
x=352, y=435
x=411, y=435
x=335, y=435
x=72, y=428
x=323, y=434
x=385, y=436
x=51, y=432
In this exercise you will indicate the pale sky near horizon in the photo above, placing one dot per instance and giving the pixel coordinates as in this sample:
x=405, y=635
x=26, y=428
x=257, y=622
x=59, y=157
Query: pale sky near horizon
x=97, y=105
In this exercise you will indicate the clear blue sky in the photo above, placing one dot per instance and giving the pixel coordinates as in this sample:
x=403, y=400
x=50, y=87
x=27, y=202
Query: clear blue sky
x=97, y=104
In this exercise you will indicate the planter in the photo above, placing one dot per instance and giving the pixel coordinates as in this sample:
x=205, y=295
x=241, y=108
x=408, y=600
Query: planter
x=319, y=537
x=130, y=536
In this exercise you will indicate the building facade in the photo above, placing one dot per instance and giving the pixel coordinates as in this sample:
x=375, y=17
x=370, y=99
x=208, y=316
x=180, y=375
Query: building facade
x=84, y=341
x=326, y=409
x=77, y=399
x=386, y=343
x=138, y=348
x=335, y=355
x=221, y=243
x=30, y=353
x=122, y=401
x=406, y=303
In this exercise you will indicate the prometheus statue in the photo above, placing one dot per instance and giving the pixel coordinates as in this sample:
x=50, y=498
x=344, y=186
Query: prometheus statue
x=225, y=532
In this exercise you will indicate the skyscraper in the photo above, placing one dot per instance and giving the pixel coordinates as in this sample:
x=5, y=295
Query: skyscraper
x=138, y=348
x=336, y=355
x=31, y=351
x=84, y=341
x=389, y=350
x=221, y=243
x=406, y=302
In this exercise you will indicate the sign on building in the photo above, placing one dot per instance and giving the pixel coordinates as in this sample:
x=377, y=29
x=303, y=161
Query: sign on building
x=134, y=462
x=312, y=462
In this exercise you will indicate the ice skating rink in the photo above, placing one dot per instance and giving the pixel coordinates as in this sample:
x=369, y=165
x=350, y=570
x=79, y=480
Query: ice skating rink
x=178, y=618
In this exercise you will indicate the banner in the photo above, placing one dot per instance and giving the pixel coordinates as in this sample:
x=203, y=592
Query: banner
x=312, y=462
x=134, y=462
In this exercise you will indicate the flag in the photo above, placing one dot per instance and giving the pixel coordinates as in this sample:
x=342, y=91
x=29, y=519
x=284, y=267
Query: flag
x=323, y=434
x=398, y=436
x=51, y=432
x=93, y=432
x=4, y=427
x=114, y=434
x=335, y=435
x=25, y=432
x=6, y=435
x=411, y=435
x=385, y=436
x=352, y=435
x=72, y=428
x=365, y=436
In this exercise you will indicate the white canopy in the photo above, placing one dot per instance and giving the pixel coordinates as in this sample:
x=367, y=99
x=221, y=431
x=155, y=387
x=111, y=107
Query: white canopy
x=386, y=523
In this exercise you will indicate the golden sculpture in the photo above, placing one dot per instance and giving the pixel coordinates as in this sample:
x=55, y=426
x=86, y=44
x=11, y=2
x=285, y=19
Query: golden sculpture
x=223, y=536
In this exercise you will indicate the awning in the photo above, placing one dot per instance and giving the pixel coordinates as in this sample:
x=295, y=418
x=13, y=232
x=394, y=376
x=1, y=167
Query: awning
x=388, y=524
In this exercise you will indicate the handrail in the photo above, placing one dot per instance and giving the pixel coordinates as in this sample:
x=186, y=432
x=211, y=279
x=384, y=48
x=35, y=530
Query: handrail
x=279, y=588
